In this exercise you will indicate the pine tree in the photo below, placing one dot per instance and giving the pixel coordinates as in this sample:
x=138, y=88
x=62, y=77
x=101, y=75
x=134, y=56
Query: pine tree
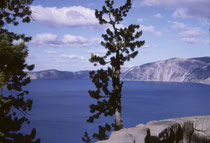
x=12, y=12
x=121, y=45
x=14, y=106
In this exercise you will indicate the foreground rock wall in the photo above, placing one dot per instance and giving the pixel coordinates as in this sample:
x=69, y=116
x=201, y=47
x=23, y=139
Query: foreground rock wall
x=194, y=129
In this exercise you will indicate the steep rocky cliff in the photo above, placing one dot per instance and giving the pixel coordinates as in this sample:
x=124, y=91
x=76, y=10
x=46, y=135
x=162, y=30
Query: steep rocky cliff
x=172, y=70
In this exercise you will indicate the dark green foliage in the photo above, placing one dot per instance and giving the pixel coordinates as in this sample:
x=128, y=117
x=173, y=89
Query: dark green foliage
x=101, y=135
x=13, y=77
x=13, y=105
x=11, y=12
x=86, y=138
x=121, y=44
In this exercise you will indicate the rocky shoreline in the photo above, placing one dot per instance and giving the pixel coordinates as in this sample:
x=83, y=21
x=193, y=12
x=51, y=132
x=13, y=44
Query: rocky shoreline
x=195, y=129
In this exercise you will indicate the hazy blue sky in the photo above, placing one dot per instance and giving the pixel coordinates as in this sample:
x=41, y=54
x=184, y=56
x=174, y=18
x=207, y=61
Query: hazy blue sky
x=65, y=32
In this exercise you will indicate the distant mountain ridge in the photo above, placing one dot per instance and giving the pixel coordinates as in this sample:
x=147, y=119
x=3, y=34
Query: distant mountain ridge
x=56, y=74
x=196, y=70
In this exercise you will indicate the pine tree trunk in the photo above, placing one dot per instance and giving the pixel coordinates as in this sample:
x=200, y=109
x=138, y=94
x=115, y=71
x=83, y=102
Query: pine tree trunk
x=117, y=94
x=118, y=120
x=117, y=88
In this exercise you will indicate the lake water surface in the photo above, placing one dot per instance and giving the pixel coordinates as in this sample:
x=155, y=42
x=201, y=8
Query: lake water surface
x=61, y=107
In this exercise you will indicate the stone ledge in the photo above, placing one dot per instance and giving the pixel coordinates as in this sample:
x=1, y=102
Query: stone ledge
x=195, y=129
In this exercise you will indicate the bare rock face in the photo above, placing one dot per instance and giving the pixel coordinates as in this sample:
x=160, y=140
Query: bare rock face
x=128, y=135
x=194, y=129
x=196, y=70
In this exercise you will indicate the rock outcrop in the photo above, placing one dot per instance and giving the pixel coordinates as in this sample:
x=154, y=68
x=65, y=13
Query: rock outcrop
x=179, y=130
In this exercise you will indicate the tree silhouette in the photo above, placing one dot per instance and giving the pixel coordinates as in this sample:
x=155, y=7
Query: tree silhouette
x=13, y=105
x=121, y=44
x=11, y=12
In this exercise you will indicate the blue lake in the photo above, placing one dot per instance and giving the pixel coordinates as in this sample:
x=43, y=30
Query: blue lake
x=61, y=107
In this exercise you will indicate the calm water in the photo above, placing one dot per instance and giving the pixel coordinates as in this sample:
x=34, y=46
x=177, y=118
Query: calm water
x=61, y=107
